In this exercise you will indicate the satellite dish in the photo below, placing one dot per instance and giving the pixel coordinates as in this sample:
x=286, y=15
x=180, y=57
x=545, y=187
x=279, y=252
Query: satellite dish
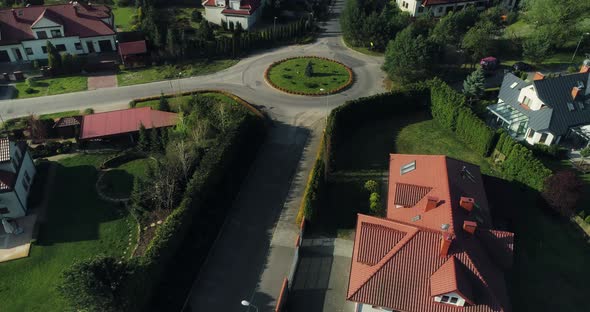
x=445, y=227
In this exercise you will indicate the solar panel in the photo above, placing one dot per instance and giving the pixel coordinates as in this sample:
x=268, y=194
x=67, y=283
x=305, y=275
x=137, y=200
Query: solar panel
x=408, y=168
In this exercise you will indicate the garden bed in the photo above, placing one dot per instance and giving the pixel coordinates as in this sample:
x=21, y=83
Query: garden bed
x=309, y=75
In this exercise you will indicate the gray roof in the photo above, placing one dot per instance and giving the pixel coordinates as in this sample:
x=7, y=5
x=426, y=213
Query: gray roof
x=557, y=93
x=539, y=120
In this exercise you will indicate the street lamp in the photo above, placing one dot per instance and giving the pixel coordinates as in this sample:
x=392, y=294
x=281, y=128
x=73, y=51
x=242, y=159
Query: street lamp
x=247, y=303
x=579, y=41
x=274, y=24
x=322, y=90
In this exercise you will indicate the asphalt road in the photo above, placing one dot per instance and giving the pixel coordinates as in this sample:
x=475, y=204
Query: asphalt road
x=240, y=257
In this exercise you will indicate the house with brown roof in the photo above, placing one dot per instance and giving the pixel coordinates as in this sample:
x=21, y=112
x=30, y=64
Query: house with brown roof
x=75, y=28
x=17, y=172
x=435, y=251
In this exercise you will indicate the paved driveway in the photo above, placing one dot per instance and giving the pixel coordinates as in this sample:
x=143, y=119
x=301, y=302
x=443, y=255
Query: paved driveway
x=102, y=80
x=321, y=280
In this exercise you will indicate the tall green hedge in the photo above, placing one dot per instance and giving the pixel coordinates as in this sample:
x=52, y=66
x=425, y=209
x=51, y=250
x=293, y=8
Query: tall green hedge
x=445, y=103
x=520, y=163
x=312, y=197
x=473, y=131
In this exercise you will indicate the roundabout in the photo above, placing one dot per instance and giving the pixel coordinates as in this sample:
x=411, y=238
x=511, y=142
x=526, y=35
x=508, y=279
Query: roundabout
x=309, y=75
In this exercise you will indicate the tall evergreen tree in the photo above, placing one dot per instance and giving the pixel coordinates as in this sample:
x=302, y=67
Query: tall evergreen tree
x=54, y=59
x=142, y=141
x=474, y=85
x=163, y=104
x=309, y=69
x=155, y=141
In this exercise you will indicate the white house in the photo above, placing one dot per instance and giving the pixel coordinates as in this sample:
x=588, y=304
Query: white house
x=545, y=110
x=245, y=12
x=17, y=172
x=74, y=28
x=439, y=8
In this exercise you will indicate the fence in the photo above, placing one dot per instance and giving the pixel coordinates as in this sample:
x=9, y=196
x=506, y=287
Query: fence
x=288, y=281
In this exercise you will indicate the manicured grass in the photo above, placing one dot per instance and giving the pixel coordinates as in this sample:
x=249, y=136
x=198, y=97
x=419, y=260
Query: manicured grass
x=290, y=75
x=363, y=50
x=60, y=114
x=163, y=72
x=175, y=102
x=78, y=226
x=123, y=16
x=52, y=86
x=118, y=182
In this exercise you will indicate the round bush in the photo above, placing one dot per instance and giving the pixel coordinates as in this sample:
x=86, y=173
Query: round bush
x=30, y=90
x=308, y=75
x=587, y=220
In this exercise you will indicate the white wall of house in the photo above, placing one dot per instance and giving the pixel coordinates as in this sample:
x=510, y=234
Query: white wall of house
x=415, y=8
x=534, y=137
x=213, y=15
x=17, y=200
x=36, y=47
x=530, y=93
x=361, y=307
x=460, y=301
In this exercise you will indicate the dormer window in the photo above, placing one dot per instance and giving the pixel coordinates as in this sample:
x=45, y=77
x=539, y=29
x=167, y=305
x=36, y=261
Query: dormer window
x=41, y=34
x=526, y=101
x=55, y=33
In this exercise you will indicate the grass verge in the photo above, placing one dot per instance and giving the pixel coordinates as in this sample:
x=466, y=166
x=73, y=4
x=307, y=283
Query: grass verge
x=157, y=73
x=52, y=86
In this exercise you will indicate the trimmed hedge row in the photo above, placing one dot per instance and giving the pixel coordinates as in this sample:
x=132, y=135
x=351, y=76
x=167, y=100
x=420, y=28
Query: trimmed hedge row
x=218, y=177
x=449, y=110
x=339, y=89
x=314, y=188
x=520, y=163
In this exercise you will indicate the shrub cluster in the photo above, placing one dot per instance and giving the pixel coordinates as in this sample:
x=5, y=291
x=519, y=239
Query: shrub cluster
x=520, y=163
x=312, y=197
x=53, y=148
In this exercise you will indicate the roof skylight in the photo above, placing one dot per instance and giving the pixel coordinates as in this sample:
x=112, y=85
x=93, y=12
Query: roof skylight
x=513, y=85
x=408, y=168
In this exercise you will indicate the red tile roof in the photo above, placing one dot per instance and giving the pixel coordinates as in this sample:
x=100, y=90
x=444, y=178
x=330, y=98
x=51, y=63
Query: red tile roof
x=408, y=195
x=68, y=121
x=124, y=121
x=82, y=20
x=399, y=266
x=133, y=47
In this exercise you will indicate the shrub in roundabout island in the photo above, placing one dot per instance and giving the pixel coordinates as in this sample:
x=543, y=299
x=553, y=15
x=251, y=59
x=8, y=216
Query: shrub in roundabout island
x=309, y=75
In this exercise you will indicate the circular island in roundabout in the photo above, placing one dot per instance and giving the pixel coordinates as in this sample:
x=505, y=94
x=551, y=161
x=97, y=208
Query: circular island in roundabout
x=309, y=75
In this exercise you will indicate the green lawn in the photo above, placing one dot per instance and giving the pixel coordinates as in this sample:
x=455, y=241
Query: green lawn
x=176, y=101
x=290, y=75
x=123, y=16
x=118, y=182
x=363, y=50
x=78, y=226
x=163, y=72
x=60, y=114
x=52, y=86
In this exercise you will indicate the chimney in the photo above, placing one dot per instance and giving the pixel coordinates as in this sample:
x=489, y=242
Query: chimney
x=445, y=244
x=538, y=76
x=431, y=203
x=575, y=92
x=469, y=226
x=467, y=203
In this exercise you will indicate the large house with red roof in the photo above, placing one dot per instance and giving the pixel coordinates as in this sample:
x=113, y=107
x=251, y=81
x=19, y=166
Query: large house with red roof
x=439, y=8
x=435, y=250
x=245, y=12
x=74, y=28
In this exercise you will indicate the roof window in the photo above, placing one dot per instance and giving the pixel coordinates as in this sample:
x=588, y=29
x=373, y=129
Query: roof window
x=580, y=105
x=408, y=168
x=416, y=218
x=513, y=85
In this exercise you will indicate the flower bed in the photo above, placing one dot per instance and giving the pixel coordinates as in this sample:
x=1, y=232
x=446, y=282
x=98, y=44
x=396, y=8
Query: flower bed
x=291, y=76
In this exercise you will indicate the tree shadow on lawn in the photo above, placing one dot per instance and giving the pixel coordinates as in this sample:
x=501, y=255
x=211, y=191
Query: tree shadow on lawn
x=117, y=183
x=74, y=211
x=550, y=253
x=368, y=147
